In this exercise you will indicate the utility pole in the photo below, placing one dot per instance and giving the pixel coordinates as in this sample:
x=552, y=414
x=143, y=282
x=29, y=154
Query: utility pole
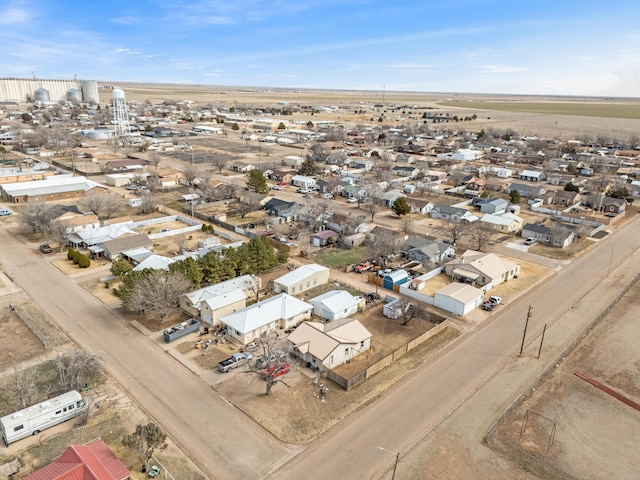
x=526, y=324
x=542, y=340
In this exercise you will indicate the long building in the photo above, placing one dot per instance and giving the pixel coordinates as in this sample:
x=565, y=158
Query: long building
x=47, y=90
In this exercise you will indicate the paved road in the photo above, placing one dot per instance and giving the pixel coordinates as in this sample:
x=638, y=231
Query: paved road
x=411, y=409
x=201, y=422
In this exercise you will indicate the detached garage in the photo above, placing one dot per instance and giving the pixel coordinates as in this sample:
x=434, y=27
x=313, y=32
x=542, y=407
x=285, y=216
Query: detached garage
x=458, y=298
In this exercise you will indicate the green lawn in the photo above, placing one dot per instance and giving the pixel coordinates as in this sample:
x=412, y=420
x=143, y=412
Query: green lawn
x=336, y=257
x=595, y=109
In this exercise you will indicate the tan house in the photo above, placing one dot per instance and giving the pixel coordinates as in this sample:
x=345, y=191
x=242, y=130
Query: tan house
x=482, y=269
x=302, y=279
x=330, y=344
x=503, y=222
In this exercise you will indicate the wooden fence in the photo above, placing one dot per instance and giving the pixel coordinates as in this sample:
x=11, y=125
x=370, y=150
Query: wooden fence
x=349, y=383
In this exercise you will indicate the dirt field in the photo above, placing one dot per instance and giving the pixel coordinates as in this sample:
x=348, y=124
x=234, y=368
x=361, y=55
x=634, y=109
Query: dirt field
x=13, y=352
x=596, y=445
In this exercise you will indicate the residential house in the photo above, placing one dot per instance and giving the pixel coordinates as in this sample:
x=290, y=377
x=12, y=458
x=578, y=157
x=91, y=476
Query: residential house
x=303, y=181
x=559, y=179
x=503, y=172
x=282, y=176
x=613, y=205
x=484, y=269
x=383, y=234
x=391, y=196
x=431, y=251
x=527, y=191
x=91, y=461
x=278, y=312
x=155, y=262
x=361, y=164
x=330, y=344
x=117, y=248
x=301, y=279
x=458, y=298
x=405, y=158
x=287, y=211
x=324, y=238
x=491, y=205
x=241, y=167
x=292, y=160
x=335, y=304
x=531, y=175
x=564, y=198
x=504, y=222
x=556, y=237
x=405, y=171
x=347, y=223
x=453, y=214
x=193, y=302
x=419, y=206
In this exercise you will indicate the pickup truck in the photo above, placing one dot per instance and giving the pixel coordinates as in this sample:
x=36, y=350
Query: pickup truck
x=234, y=361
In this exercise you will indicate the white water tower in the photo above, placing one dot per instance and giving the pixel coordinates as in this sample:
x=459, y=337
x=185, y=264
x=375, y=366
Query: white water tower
x=120, y=114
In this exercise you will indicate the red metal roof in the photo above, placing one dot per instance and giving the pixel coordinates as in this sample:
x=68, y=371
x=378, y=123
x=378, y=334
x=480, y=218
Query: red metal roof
x=93, y=461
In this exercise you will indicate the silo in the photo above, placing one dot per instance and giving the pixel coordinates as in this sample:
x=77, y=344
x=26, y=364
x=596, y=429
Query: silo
x=42, y=95
x=90, y=91
x=73, y=95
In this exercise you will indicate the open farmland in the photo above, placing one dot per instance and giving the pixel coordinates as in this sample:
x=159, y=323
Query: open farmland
x=606, y=109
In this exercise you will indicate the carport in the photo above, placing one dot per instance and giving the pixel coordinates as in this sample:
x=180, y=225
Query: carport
x=464, y=276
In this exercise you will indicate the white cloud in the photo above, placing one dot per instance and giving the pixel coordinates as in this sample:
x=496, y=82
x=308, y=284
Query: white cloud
x=502, y=69
x=15, y=15
x=126, y=20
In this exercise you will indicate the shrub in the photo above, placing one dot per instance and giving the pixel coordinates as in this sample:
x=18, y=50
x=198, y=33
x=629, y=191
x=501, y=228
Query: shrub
x=76, y=257
x=83, y=261
x=71, y=253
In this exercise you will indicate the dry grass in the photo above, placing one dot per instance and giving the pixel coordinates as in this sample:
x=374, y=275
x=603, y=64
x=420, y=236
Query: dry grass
x=629, y=110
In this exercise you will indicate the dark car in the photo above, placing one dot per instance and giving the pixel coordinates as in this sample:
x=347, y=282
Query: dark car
x=45, y=248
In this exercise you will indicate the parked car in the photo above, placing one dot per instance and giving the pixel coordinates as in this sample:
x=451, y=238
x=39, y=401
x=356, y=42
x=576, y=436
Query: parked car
x=154, y=471
x=530, y=241
x=4, y=212
x=492, y=303
x=276, y=370
x=274, y=357
x=276, y=187
x=352, y=200
x=363, y=267
x=45, y=248
x=327, y=195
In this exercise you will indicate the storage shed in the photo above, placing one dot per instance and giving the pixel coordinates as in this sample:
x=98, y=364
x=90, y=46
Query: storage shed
x=458, y=298
x=395, y=278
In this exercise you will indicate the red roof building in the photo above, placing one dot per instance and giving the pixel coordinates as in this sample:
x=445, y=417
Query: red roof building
x=93, y=461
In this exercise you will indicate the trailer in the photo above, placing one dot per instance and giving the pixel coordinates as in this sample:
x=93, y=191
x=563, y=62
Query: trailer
x=181, y=329
x=32, y=420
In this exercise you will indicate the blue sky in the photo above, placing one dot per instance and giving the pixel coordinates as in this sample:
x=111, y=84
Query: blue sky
x=561, y=47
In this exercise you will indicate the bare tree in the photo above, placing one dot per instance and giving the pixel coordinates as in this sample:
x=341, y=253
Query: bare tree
x=385, y=244
x=189, y=174
x=100, y=204
x=76, y=369
x=111, y=205
x=255, y=286
x=25, y=387
x=454, y=230
x=245, y=208
x=155, y=159
x=271, y=365
x=317, y=214
x=408, y=311
x=36, y=217
x=148, y=202
x=480, y=234
x=219, y=162
x=57, y=232
x=157, y=294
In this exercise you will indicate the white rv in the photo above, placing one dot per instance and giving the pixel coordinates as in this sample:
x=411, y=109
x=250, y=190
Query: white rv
x=32, y=420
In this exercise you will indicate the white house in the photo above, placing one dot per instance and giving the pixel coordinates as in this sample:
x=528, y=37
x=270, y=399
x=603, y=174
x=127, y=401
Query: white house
x=301, y=279
x=281, y=311
x=155, y=262
x=335, y=304
x=458, y=298
x=303, y=181
x=531, y=175
x=504, y=222
x=483, y=269
x=192, y=302
x=331, y=344
x=292, y=160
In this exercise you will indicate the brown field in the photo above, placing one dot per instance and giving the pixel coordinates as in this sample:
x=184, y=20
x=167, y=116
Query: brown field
x=629, y=110
x=593, y=445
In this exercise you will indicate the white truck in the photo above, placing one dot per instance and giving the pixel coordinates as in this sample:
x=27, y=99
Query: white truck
x=234, y=361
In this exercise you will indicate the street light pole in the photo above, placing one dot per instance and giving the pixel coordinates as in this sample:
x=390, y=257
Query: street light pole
x=395, y=465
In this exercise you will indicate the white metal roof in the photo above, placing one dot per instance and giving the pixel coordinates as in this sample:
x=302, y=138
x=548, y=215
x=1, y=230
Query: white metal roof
x=300, y=274
x=281, y=306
